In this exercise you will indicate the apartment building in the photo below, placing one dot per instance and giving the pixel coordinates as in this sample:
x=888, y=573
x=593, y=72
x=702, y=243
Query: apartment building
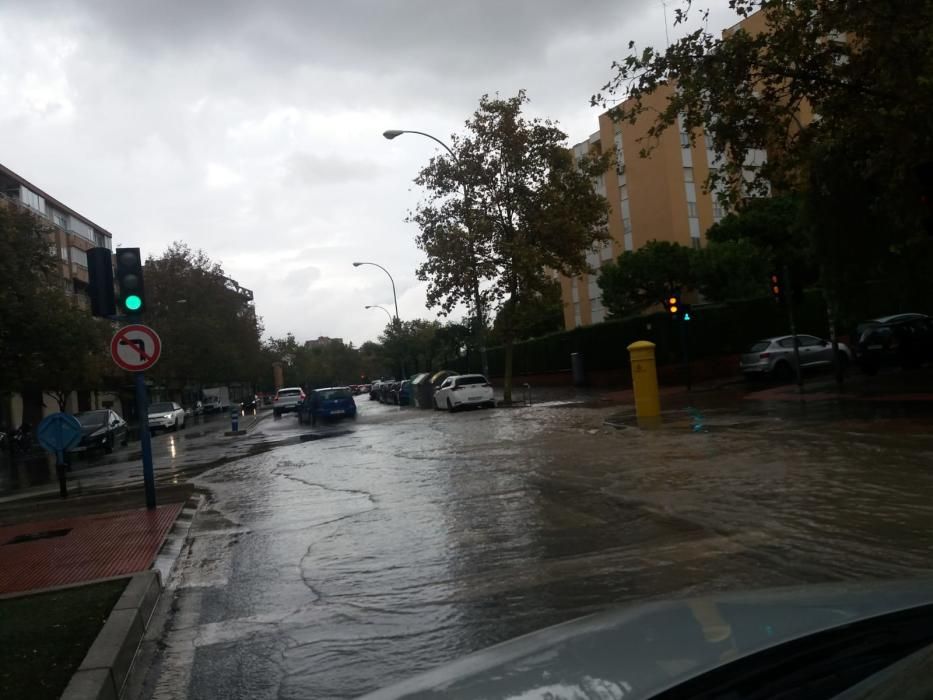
x=73, y=234
x=659, y=198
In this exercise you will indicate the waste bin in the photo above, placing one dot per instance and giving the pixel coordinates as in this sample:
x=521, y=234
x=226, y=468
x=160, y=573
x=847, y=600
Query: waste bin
x=576, y=367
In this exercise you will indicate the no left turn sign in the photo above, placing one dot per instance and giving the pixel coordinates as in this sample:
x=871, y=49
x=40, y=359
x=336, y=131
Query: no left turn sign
x=135, y=348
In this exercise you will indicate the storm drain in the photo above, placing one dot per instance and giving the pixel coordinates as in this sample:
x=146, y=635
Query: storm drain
x=42, y=535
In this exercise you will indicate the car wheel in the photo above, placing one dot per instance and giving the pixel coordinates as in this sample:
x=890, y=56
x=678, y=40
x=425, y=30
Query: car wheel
x=783, y=372
x=491, y=404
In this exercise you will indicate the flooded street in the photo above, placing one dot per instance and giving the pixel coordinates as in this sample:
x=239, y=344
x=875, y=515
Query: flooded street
x=360, y=553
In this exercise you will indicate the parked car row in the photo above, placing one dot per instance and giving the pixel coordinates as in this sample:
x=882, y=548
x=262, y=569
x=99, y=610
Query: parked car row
x=904, y=340
x=391, y=392
x=443, y=390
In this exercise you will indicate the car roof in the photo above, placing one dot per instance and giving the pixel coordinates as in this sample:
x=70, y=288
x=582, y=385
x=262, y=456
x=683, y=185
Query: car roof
x=468, y=376
x=908, y=316
x=331, y=388
x=289, y=388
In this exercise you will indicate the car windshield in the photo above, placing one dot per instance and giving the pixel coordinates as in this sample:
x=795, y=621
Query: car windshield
x=329, y=394
x=759, y=346
x=92, y=418
x=470, y=379
x=161, y=407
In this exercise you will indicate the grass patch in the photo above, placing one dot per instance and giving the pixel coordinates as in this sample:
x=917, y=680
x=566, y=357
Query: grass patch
x=44, y=637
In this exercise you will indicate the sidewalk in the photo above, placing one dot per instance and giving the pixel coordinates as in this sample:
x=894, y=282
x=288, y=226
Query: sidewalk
x=70, y=550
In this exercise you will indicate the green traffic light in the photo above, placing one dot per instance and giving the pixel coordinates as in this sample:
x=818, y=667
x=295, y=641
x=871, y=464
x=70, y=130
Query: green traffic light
x=133, y=303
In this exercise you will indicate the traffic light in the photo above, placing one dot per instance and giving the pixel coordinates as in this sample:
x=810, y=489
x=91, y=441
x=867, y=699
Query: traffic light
x=130, y=281
x=777, y=287
x=672, y=304
x=100, y=282
x=686, y=312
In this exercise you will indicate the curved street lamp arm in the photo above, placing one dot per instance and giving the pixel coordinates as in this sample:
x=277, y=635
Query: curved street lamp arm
x=394, y=296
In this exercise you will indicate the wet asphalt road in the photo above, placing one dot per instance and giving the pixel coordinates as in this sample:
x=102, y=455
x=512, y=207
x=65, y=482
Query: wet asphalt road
x=352, y=556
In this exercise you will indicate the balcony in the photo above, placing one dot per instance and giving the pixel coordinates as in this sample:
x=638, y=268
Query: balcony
x=79, y=272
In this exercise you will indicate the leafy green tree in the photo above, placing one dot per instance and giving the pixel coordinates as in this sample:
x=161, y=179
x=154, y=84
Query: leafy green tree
x=47, y=342
x=734, y=269
x=531, y=208
x=539, y=314
x=863, y=69
x=642, y=278
x=210, y=332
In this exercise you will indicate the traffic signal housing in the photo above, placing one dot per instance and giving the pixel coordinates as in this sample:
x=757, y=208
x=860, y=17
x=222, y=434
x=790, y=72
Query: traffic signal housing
x=132, y=293
x=777, y=287
x=100, y=282
x=672, y=304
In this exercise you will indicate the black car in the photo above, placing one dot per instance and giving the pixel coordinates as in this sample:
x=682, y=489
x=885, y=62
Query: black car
x=101, y=429
x=905, y=340
x=250, y=403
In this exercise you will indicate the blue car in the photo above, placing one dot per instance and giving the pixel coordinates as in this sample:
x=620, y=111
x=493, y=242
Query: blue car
x=332, y=402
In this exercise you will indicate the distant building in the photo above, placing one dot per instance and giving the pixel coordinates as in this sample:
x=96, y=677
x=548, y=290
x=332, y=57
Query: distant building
x=322, y=341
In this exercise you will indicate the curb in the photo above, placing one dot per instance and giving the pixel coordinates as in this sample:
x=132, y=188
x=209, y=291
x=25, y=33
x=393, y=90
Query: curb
x=108, y=661
x=106, y=667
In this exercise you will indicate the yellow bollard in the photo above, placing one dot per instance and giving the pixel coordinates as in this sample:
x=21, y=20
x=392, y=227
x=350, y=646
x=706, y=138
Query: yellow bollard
x=645, y=379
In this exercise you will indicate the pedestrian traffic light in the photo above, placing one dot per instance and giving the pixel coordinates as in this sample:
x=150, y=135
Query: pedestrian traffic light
x=100, y=282
x=130, y=280
x=777, y=287
x=672, y=304
x=686, y=312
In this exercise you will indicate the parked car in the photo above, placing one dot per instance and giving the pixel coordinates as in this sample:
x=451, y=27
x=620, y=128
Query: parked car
x=211, y=404
x=250, y=403
x=286, y=400
x=103, y=428
x=166, y=415
x=464, y=390
x=775, y=356
x=374, y=389
x=401, y=395
x=902, y=339
x=331, y=402
x=385, y=391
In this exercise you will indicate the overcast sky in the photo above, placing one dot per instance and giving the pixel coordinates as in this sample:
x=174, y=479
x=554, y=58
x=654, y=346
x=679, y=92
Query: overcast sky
x=253, y=129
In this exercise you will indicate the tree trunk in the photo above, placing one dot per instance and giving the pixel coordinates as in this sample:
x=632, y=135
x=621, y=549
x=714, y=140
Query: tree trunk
x=507, y=382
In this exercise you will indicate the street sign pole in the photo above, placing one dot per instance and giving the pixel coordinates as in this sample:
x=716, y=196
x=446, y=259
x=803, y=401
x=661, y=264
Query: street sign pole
x=142, y=410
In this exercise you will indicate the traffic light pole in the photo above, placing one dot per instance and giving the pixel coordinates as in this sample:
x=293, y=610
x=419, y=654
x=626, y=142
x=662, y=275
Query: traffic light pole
x=793, y=327
x=142, y=411
x=685, y=341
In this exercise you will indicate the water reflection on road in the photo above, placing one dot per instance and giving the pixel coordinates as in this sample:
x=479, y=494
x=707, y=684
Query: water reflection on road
x=328, y=567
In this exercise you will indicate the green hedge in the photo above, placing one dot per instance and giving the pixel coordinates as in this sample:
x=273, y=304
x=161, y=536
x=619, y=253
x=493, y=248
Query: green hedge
x=715, y=329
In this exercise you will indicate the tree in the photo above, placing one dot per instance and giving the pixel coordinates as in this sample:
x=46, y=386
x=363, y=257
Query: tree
x=537, y=315
x=863, y=69
x=531, y=208
x=210, y=332
x=731, y=270
x=47, y=343
x=639, y=279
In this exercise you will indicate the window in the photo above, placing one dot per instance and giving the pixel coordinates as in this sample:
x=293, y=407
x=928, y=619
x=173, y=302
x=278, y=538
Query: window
x=718, y=212
x=690, y=192
x=78, y=256
x=597, y=310
x=684, y=139
x=627, y=240
x=577, y=319
x=574, y=291
x=688, y=174
x=31, y=199
x=695, y=243
x=694, y=225
x=605, y=252
x=82, y=229
x=808, y=341
x=692, y=209
x=626, y=209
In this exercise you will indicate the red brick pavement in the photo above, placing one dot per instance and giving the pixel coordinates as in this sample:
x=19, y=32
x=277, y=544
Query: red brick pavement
x=94, y=547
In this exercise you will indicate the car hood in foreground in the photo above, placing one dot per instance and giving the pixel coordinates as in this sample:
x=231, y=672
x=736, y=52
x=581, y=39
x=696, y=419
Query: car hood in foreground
x=643, y=650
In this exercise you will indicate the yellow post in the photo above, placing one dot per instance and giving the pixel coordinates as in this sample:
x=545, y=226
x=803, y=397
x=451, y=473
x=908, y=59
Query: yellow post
x=645, y=379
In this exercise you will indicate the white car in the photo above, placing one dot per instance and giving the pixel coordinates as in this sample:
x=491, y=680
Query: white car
x=286, y=399
x=464, y=390
x=166, y=415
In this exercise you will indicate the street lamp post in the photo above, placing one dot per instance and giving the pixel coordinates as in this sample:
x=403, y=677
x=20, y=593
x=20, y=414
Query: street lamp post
x=382, y=308
x=398, y=322
x=477, y=300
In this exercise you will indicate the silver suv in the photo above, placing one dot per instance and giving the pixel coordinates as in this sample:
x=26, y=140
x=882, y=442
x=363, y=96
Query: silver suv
x=286, y=400
x=775, y=356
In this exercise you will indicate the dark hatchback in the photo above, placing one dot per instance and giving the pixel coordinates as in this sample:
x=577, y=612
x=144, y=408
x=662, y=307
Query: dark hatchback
x=903, y=339
x=332, y=402
x=101, y=429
